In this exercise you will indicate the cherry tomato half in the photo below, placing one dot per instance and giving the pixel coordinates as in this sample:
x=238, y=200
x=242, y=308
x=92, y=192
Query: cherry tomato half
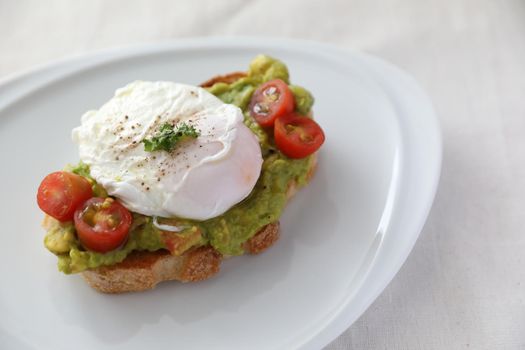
x=61, y=193
x=102, y=224
x=297, y=136
x=271, y=100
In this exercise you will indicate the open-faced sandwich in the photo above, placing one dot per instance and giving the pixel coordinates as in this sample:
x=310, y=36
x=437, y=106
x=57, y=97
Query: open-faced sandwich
x=174, y=178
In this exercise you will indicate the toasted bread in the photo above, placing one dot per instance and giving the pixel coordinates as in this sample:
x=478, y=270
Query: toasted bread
x=227, y=78
x=144, y=270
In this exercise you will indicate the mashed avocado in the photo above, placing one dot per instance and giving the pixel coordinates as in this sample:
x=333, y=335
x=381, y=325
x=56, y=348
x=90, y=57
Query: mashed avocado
x=227, y=232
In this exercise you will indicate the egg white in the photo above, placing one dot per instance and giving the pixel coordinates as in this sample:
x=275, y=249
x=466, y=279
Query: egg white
x=200, y=179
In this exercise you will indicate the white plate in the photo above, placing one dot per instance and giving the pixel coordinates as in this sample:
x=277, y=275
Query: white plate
x=343, y=237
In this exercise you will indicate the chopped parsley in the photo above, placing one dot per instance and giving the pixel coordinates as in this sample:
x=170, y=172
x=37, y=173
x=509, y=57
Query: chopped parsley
x=168, y=137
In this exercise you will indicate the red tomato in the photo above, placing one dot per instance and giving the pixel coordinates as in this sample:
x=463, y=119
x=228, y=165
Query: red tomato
x=271, y=100
x=102, y=224
x=297, y=136
x=61, y=193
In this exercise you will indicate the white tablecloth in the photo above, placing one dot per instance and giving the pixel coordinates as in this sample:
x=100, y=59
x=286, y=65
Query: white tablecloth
x=463, y=285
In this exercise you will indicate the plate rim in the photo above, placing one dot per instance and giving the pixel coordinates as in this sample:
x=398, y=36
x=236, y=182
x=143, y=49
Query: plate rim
x=20, y=84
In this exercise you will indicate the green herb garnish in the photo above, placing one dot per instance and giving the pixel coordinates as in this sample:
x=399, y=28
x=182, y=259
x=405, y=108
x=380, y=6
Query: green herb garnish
x=168, y=137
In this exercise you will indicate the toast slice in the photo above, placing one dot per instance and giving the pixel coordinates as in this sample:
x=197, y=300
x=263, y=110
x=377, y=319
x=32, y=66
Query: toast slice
x=143, y=270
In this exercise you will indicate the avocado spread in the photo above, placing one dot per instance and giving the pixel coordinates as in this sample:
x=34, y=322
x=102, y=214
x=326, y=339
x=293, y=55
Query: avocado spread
x=228, y=232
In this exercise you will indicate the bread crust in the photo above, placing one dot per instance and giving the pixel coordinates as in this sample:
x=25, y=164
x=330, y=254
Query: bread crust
x=143, y=270
x=263, y=239
x=227, y=78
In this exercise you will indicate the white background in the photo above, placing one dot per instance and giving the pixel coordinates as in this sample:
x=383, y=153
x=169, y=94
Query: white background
x=463, y=286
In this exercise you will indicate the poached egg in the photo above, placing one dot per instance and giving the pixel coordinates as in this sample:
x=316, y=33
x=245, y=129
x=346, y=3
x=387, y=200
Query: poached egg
x=199, y=179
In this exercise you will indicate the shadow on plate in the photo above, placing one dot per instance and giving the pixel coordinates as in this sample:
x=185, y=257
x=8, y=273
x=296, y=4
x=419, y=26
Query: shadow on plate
x=117, y=318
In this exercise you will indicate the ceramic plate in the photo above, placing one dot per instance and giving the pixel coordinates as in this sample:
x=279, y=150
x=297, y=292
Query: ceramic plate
x=344, y=237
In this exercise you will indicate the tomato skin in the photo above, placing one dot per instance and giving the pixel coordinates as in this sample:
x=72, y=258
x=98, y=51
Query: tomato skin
x=270, y=101
x=297, y=136
x=61, y=193
x=102, y=224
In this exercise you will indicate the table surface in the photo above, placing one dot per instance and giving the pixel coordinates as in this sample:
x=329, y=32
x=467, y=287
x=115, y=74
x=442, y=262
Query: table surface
x=463, y=286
